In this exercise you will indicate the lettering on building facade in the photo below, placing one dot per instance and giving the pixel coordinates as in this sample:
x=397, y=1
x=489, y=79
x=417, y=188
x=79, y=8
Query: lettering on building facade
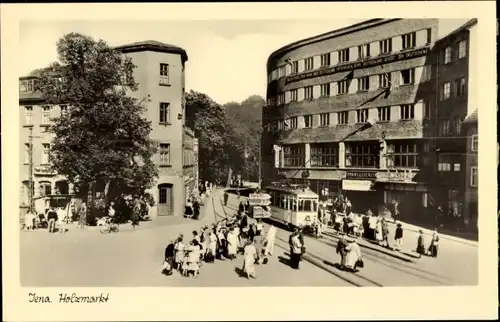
x=352, y=66
x=44, y=170
x=361, y=175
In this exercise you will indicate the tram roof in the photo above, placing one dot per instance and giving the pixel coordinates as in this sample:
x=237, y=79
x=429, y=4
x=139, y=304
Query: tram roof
x=297, y=190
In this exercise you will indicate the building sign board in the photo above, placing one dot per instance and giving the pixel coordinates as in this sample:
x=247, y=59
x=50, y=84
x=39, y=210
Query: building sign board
x=361, y=175
x=357, y=65
x=396, y=176
x=356, y=185
x=44, y=170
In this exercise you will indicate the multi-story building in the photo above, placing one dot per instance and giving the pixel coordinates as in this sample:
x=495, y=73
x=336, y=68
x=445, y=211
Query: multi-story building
x=470, y=210
x=346, y=110
x=160, y=74
x=455, y=59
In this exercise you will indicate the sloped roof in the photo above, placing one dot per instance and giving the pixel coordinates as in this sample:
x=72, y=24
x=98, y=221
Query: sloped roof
x=153, y=45
x=467, y=25
x=471, y=118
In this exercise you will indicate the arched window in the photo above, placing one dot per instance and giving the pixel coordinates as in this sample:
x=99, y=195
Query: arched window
x=45, y=188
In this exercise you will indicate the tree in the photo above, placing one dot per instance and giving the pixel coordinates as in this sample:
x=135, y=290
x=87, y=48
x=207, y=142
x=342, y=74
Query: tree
x=245, y=122
x=104, y=137
x=207, y=119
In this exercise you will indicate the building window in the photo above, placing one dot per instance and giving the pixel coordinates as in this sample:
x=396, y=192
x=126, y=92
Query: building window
x=164, y=113
x=384, y=114
x=407, y=112
x=474, y=143
x=364, y=84
x=473, y=176
x=444, y=167
x=282, y=71
x=26, y=153
x=325, y=60
x=343, y=86
x=28, y=115
x=293, y=95
x=324, y=119
x=447, y=55
x=404, y=155
x=444, y=127
x=164, y=154
x=45, y=189
x=308, y=120
x=361, y=155
x=458, y=125
x=445, y=94
x=343, y=117
x=344, y=55
x=364, y=51
x=294, y=155
x=309, y=63
x=385, y=46
x=427, y=110
x=324, y=155
x=325, y=89
x=456, y=167
x=308, y=93
x=460, y=84
x=45, y=153
x=164, y=74
x=294, y=122
x=295, y=67
x=27, y=85
x=384, y=80
x=462, y=49
x=407, y=76
x=46, y=115
x=409, y=40
x=64, y=110
x=362, y=115
x=281, y=98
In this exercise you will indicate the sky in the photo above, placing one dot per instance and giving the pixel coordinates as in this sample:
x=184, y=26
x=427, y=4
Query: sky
x=221, y=53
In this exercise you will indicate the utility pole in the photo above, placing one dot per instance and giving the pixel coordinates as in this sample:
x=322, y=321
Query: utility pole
x=31, y=183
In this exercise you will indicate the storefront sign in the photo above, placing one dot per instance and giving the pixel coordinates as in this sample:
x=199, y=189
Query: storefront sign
x=396, y=176
x=352, y=66
x=44, y=170
x=356, y=185
x=361, y=175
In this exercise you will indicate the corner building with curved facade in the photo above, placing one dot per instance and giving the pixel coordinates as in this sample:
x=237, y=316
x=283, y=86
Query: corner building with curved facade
x=334, y=100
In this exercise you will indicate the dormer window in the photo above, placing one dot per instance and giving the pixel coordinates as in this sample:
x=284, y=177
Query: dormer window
x=27, y=85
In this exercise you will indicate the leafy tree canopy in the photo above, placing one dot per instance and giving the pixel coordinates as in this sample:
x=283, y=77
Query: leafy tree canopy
x=105, y=135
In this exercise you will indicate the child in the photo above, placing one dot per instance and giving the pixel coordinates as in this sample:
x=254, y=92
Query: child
x=398, y=237
x=420, y=244
x=168, y=262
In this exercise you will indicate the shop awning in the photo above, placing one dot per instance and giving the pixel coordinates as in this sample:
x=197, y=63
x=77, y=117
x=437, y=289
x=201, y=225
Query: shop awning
x=357, y=185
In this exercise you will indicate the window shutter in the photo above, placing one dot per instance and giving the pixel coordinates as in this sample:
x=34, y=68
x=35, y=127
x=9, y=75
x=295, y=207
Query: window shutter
x=374, y=49
x=396, y=78
x=287, y=97
x=418, y=74
x=353, y=53
x=419, y=110
x=373, y=82
x=334, y=58
x=421, y=38
x=316, y=62
x=397, y=44
x=353, y=86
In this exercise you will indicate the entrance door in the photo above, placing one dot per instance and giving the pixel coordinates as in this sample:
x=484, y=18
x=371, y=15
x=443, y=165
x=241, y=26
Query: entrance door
x=165, y=199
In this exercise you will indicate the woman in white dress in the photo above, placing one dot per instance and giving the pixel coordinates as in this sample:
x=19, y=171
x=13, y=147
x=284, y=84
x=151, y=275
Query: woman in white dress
x=179, y=252
x=270, y=238
x=378, y=235
x=250, y=254
x=353, y=255
x=232, y=244
x=212, y=244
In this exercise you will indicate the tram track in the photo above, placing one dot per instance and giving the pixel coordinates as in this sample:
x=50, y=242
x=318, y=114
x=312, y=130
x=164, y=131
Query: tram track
x=355, y=279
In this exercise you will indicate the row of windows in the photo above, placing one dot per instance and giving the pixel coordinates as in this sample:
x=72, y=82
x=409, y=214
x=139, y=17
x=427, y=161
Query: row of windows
x=45, y=116
x=356, y=85
x=459, y=86
x=384, y=114
x=363, y=51
x=45, y=156
x=460, y=52
x=450, y=127
x=455, y=167
x=356, y=155
x=291, y=202
x=164, y=113
x=29, y=85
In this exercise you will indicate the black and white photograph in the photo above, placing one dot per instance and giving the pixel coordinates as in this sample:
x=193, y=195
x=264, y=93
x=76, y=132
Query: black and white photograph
x=166, y=153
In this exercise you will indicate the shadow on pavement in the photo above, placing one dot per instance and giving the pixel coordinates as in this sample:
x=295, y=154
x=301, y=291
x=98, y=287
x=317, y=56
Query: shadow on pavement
x=284, y=260
x=240, y=272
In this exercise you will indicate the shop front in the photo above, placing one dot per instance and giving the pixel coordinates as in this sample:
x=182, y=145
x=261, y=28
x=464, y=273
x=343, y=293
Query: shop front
x=359, y=188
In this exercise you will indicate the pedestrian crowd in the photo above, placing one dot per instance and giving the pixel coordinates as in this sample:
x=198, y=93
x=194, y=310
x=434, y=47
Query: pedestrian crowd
x=223, y=240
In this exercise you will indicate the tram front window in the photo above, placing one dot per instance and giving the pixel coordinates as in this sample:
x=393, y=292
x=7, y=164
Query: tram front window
x=308, y=205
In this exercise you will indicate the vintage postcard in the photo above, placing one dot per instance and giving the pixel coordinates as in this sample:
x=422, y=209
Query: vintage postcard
x=183, y=161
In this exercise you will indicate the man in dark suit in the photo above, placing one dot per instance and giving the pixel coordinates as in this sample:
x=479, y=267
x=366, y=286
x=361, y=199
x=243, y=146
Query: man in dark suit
x=341, y=249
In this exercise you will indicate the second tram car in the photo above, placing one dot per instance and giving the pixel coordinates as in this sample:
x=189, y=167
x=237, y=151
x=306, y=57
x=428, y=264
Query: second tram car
x=295, y=205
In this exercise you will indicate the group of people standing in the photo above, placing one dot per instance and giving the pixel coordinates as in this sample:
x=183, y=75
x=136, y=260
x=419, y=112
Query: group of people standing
x=224, y=240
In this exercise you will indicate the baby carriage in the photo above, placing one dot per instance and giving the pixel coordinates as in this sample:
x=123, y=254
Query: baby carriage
x=191, y=264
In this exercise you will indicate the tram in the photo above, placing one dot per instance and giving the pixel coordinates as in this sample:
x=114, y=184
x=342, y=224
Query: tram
x=293, y=204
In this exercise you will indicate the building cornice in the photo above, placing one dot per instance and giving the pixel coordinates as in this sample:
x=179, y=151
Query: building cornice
x=151, y=45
